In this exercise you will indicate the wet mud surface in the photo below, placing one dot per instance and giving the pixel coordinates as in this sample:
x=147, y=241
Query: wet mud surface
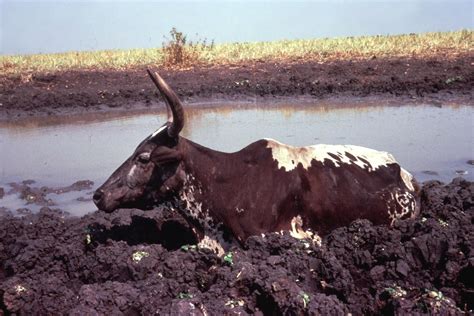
x=32, y=194
x=144, y=262
x=27, y=197
x=434, y=79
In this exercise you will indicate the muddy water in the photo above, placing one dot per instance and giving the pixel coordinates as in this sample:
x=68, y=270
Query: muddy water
x=431, y=142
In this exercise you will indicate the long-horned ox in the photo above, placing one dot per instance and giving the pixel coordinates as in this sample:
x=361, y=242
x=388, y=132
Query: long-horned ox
x=265, y=187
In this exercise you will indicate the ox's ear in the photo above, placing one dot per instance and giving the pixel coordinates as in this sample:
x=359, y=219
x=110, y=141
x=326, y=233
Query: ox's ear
x=164, y=154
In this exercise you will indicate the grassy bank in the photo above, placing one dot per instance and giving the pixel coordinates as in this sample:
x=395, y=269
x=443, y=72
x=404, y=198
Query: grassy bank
x=421, y=45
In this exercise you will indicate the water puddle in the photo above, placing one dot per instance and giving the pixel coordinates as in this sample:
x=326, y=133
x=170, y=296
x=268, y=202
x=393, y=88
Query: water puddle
x=431, y=142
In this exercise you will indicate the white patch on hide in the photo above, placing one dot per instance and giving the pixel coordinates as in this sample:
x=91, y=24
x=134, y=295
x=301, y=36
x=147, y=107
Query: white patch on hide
x=213, y=238
x=298, y=232
x=407, y=179
x=132, y=171
x=212, y=244
x=187, y=195
x=400, y=204
x=289, y=157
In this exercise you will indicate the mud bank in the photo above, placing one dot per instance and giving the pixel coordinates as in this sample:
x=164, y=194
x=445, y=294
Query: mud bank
x=435, y=79
x=134, y=262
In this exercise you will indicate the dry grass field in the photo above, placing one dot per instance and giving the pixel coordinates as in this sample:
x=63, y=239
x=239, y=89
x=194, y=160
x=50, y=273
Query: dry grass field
x=179, y=53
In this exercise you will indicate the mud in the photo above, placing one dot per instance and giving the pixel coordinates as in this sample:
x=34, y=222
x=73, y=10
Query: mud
x=142, y=262
x=34, y=195
x=430, y=79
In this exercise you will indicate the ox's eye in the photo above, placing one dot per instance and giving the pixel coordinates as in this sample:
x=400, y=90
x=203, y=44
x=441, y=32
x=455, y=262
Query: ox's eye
x=144, y=157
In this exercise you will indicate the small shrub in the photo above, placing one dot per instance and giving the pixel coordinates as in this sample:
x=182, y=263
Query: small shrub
x=305, y=297
x=454, y=79
x=137, y=256
x=228, y=259
x=184, y=295
x=178, y=51
x=188, y=247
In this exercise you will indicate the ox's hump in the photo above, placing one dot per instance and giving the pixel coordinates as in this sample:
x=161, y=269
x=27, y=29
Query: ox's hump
x=288, y=157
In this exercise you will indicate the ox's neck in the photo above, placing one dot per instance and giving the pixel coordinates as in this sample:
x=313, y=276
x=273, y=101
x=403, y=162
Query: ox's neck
x=198, y=156
x=205, y=170
x=205, y=165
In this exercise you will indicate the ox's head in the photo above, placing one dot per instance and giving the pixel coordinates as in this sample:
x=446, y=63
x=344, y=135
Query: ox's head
x=154, y=171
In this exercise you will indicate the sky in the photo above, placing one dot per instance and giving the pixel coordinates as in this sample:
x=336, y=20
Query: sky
x=30, y=27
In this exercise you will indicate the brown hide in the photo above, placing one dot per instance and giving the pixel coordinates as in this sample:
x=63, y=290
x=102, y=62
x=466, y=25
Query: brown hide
x=249, y=193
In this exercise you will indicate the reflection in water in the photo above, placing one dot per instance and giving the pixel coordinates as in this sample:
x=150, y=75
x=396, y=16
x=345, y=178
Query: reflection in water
x=195, y=110
x=431, y=142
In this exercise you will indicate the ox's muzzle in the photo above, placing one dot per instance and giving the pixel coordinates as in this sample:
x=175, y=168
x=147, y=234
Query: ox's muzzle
x=97, y=197
x=107, y=200
x=100, y=201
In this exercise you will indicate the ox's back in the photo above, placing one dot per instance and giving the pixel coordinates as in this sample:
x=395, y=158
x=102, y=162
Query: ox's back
x=341, y=183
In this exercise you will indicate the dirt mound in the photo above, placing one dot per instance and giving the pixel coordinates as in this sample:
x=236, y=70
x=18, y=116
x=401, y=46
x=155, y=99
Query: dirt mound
x=136, y=262
x=432, y=79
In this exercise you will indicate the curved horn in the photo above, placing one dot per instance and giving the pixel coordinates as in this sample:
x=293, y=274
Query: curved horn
x=176, y=120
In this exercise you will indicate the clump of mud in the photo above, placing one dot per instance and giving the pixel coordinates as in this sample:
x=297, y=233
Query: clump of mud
x=144, y=262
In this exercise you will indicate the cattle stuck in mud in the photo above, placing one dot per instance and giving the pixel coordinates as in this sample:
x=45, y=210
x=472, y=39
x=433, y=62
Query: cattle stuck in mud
x=265, y=187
